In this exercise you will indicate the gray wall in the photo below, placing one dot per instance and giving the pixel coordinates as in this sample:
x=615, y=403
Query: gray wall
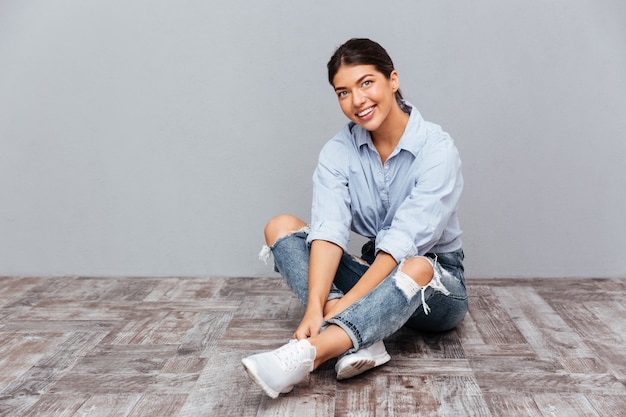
x=157, y=137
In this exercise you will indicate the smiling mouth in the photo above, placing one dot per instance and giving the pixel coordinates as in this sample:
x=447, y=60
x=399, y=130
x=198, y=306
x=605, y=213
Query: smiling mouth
x=365, y=112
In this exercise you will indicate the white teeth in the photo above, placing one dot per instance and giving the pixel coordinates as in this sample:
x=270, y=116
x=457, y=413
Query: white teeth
x=365, y=112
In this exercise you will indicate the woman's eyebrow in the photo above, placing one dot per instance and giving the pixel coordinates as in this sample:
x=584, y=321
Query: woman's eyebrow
x=357, y=82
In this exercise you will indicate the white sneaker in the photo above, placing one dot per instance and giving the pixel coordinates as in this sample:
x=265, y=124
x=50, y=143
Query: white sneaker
x=362, y=360
x=278, y=370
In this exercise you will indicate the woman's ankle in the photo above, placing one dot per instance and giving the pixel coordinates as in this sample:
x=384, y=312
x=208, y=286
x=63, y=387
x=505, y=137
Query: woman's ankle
x=330, y=343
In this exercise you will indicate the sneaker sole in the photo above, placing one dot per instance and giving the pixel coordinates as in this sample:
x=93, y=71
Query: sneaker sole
x=361, y=365
x=252, y=372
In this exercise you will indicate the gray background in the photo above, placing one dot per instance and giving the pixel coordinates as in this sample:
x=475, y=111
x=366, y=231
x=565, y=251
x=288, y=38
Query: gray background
x=157, y=137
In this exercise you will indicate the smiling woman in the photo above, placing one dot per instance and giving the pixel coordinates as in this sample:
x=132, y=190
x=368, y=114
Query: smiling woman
x=395, y=179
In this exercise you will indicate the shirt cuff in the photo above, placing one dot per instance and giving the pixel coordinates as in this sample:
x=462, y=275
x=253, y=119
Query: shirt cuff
x=396, y=245
x=330, y=231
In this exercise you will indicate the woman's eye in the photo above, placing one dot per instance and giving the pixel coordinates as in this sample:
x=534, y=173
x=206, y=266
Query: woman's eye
x=342, y=94
x=367, y=83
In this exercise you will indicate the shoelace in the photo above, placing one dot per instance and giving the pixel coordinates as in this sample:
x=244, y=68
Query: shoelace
x=291, y=356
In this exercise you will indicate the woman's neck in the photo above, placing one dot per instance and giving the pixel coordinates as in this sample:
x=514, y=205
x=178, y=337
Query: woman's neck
x=387, y=136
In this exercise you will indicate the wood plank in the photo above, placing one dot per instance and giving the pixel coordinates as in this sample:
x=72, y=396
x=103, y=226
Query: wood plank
x=126, y=359
x=460, y=396
x=512, y=404
x=13, y=288
x=185, y=290
x=611, y=314
x=443, y=345
x=205, y=333
x=20, y=352
x=59, y=309
x=151, y=405
x=12, y=406
x=58, y=326
x=406, y=343
x=108, y=405
x=606, y=345
x=427, y=366
x=365, y=395
x=258, y=334
x=111, y=383
x=541, y=326
x=611, y=355
x=56, y=406
x=171, y=328
x=265, y=307
x=468, y=331
x=223, y=388
x=312, y=398
x=522, y=351
x=130, y=289
x=412, y=396
x=511, y=363
x=187, y=364
x=562, y=404
x=491, y=317
x=52, y=366
x=608, y=405
x=551, y=382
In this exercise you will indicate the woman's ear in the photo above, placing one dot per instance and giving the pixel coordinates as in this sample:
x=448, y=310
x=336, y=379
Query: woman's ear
x=395, y=80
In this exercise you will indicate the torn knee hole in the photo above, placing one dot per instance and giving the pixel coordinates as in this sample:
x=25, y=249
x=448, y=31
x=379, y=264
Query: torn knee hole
x=406, y=284
x=409, y=287
x=266, y=250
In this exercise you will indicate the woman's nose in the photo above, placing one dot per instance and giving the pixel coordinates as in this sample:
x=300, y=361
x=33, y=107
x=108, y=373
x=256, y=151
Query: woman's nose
x=358, y=98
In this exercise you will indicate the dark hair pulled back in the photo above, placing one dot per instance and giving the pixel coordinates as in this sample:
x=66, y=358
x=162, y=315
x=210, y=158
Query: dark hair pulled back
x=362, y=51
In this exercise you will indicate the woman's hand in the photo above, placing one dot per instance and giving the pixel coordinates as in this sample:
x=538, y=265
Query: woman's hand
x=309, y=326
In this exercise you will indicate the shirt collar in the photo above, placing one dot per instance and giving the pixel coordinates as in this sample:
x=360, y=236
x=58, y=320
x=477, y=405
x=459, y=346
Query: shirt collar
x=412, y=139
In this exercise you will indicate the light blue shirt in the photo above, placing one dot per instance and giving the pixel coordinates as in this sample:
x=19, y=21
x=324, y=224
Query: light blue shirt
x=407, y=205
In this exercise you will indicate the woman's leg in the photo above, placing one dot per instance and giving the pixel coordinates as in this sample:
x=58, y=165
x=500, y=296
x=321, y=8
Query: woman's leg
x=330, y=343
x=409, y=288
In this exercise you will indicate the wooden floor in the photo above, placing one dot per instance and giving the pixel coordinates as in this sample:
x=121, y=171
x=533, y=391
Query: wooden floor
x=172, y=347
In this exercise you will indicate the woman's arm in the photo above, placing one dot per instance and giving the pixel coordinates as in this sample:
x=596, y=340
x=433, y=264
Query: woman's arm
x=323, y=264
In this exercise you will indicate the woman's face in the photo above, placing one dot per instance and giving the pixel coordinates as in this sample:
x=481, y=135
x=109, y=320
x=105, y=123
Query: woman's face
x=365, y=95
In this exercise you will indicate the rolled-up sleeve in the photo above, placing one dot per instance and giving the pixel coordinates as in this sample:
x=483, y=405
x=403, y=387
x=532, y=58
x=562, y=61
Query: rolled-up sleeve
x=422, y=217
x=330, y=212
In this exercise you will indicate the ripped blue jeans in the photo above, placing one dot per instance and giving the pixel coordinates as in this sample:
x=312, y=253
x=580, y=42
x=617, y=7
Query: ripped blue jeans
x=397, y=300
